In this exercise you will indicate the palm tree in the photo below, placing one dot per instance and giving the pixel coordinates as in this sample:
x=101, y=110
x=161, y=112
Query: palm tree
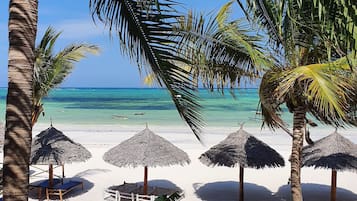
x=51, y=69
x=310, y=51
x=313, y=74
x=18, y=132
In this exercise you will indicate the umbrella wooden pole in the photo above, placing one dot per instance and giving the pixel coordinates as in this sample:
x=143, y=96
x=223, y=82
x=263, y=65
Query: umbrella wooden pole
x=333, y=185
x=62, y=173
x=145, y=180
x=50, y=175
x=241, y=182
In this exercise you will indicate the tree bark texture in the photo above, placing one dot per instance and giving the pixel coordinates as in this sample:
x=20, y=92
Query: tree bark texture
x=298, y=136
x=18, y=133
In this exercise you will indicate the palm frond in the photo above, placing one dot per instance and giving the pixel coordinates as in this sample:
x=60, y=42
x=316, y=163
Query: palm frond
x=144, y=28
x=338, y=19
x=323, y=88
x=301, y=23
x=63, y=62
x=47, y=43
x=270, y=103
x=220, y=52
x=268, y=14
x=50, y=68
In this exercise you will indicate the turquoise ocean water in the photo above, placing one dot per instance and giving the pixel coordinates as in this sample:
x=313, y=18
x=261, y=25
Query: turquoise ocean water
x=139, y=106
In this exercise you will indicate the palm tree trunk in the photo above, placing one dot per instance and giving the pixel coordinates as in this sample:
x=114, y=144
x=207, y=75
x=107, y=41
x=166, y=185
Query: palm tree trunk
x=18, y=134
x=298, y=136
x=36, y=111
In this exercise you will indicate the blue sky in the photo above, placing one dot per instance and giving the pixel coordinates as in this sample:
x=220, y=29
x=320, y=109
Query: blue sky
x=72, y=17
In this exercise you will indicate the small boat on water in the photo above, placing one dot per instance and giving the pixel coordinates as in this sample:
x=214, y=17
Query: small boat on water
x=120, y=117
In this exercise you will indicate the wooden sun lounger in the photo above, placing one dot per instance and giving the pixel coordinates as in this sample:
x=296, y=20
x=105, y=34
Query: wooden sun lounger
x=124, y=192
x=62, y=189
x=132, y=192
x=126, y=187
x=42, y=185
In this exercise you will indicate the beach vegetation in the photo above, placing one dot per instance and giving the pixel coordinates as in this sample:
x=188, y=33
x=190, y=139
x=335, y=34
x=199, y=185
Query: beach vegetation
x=51, y=68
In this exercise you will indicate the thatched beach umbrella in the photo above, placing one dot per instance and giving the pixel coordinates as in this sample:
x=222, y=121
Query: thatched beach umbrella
x=335, y=152
x=243, y=149
x=145, y=149
x=52, y=147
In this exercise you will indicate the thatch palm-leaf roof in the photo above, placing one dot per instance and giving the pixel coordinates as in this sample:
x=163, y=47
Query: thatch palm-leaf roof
x=51, y=146
x=243, y=149
x=333, y=151
x=146, y=149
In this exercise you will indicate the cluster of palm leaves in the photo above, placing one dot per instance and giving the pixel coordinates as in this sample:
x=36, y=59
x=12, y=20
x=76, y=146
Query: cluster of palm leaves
x=145, y=32
x=180, y=51
x=51, y=68
x=221, y=52
x=316, y=48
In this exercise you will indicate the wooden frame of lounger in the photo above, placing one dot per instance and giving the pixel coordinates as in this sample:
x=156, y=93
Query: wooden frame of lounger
x=115, y=195
x=57, y=190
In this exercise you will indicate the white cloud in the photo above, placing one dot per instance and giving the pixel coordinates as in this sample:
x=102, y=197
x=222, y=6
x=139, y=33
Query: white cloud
x=78, y=29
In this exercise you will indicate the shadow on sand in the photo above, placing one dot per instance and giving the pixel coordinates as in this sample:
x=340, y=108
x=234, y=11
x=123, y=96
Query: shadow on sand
x=228, y=191
x=87, y=185
x=316, y=192
x=91, y=172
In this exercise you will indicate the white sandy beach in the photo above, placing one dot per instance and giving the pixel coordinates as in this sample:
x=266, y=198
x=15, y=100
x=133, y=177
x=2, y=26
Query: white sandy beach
x=198, y=181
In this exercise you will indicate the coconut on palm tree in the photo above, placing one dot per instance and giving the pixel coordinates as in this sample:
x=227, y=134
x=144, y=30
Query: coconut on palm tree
x=52, y=68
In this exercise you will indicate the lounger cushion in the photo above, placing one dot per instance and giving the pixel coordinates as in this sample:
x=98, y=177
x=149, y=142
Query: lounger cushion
x=45, y=183
x=67, y=185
